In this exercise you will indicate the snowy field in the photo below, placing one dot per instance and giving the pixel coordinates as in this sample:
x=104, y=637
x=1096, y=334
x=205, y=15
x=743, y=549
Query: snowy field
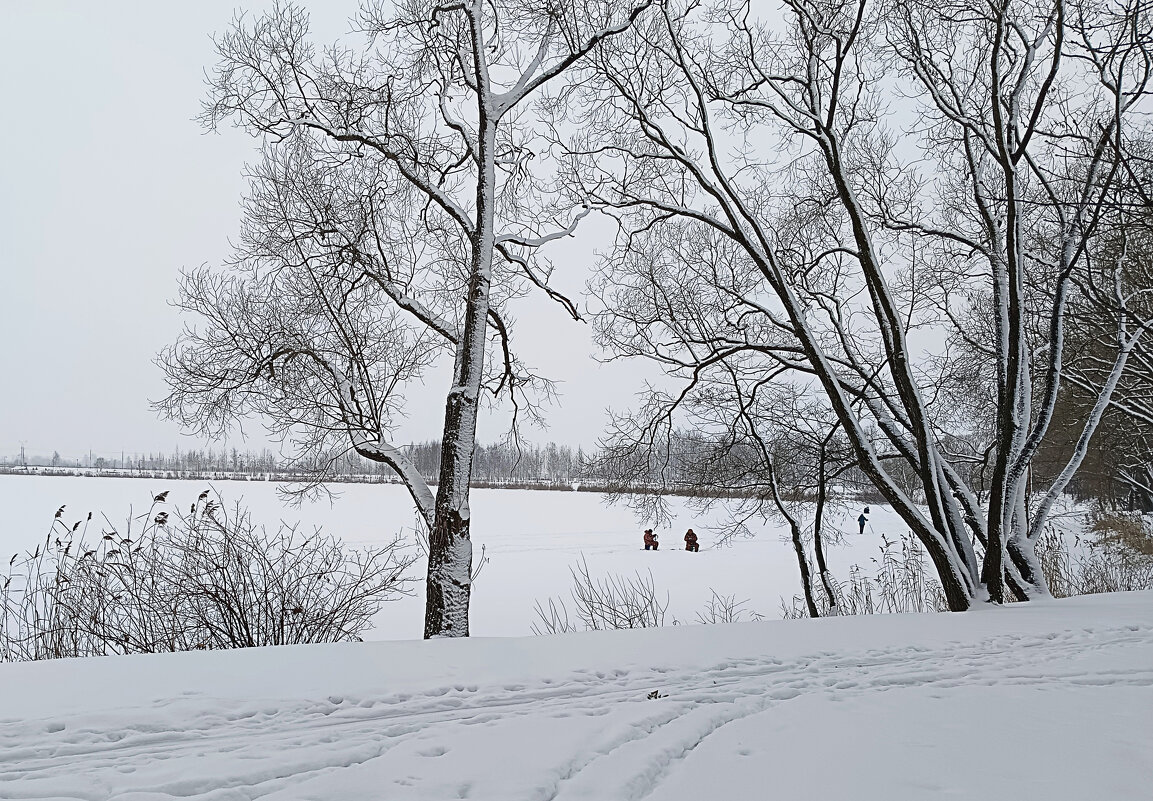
x=531, y=539
x=1046, y=701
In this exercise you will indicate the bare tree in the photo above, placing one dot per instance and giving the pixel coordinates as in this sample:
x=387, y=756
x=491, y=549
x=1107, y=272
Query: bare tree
x=815, y=454
x=761, y=449
x=392, y=218
x=769, y=218
x=1122, y=465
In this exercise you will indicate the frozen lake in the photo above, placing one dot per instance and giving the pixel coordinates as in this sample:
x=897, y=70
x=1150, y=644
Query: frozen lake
x=531, y=538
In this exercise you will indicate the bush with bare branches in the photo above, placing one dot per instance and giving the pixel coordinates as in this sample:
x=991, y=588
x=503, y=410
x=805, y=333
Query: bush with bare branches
x=206, y=580
x=726, y=609
x=612, y=602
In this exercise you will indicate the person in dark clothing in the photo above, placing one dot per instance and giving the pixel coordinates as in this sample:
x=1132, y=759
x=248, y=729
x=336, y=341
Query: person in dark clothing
x=862, y=520
x=691, y=543
x=651, y=540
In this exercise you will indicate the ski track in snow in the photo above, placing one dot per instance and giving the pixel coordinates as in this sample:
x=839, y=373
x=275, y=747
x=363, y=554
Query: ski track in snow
x=592, y=734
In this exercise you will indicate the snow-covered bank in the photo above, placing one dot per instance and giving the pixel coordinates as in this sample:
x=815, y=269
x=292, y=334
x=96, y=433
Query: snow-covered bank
x=1048, y=701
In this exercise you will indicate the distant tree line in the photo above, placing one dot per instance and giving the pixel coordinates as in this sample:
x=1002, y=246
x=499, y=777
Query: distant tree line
x=226, y=459
x=693, y=462
x=507, y=461
x=496, y=464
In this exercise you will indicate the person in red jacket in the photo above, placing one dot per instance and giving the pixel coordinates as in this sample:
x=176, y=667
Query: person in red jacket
x=651, y=540
x=691, y=543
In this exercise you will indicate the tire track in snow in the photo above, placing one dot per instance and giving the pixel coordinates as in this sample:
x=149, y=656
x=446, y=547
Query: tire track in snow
x=699, y=703
x=968, y=665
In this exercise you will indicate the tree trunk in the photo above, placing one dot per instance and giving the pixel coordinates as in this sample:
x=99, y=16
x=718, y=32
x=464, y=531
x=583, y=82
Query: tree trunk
x=803, y=565
x=449, y=583
x=818, y=525
x=798, y=544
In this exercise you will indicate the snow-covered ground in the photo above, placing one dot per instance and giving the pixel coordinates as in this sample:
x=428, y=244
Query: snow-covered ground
x=1043, y=701
x=1051, y=701
x=531, y=538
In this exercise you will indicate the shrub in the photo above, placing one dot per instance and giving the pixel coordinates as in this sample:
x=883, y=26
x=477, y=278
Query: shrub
x=613, y=602
x=208, y=580
x=726, y=609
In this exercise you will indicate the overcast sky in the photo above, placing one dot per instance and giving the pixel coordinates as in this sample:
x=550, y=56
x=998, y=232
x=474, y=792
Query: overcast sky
x=108, y=187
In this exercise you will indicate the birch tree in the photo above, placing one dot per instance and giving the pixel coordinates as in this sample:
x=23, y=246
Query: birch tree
x=916, y=276
x=393, y=216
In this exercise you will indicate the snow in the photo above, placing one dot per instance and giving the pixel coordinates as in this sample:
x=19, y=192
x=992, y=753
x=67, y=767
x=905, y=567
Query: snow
x=531, y=538
x=1046, y=700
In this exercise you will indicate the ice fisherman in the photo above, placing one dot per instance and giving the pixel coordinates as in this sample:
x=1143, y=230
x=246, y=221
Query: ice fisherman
x=691, y=543
x=651, y=540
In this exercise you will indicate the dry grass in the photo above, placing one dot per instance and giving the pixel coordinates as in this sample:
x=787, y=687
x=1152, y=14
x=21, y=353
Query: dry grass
x=1117, y=556
x=900, y=582
x=1125, y=531
x=208, y=580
